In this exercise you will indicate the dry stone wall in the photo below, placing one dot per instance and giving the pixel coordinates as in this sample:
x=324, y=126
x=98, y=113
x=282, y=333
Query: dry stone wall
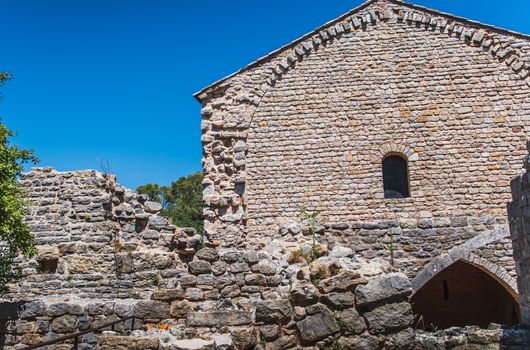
x=309, y=124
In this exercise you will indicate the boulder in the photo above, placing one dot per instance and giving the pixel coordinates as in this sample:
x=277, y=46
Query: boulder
x=363, y=342
x=64, y=324
x=244, y=338
x=57, y=309
x=33, y=309
x=341, y=252
x=284, y=342
x=403, y=340
x=304, y=294
x=265, y=267
x=273, y=311
x=383, y=288
x=317, y=327
x=223, y=342
x=269, y=332
x=114, y=342
x=46, y=251
x=180, y=309
x=152, y=207
x=193, y=344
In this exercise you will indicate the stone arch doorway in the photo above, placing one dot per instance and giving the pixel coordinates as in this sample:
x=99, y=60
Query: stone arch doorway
x=464, y=294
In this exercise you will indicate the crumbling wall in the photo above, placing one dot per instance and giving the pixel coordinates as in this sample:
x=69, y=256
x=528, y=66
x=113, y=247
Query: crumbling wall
x=96, y=239
x=520, y=233
x=349, y=290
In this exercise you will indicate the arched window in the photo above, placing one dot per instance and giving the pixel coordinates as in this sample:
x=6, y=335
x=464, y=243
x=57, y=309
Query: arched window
x=395, y=177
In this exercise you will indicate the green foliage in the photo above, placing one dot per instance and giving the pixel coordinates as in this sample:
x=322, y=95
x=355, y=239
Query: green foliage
x=182, y=201
x=312, y=218
x=156, y=193
x=15, y=235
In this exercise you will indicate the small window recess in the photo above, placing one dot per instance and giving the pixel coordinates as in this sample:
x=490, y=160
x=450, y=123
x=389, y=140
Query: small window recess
x=395, y=177
x=48, y=265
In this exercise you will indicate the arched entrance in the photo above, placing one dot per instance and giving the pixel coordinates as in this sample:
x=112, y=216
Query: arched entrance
x=463, y=294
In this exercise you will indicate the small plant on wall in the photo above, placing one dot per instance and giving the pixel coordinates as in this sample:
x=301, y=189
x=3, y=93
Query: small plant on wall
x=312, y=219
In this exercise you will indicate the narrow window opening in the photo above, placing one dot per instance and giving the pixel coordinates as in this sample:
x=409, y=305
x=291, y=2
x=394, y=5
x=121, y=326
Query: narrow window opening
x=395, y=177
x=47, y=266
x=446, y=291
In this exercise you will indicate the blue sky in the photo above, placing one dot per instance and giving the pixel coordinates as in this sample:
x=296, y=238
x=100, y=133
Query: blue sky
x=100, y=81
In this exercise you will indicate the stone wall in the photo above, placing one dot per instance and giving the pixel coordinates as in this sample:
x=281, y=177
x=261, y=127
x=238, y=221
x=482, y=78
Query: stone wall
x=96, y=239
x=520, y=232
x=268, y=300
x=116, y=258
x=310, y=124
x=109, y=242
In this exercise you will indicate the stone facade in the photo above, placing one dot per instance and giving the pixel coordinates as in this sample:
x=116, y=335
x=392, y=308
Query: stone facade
x=308, y=125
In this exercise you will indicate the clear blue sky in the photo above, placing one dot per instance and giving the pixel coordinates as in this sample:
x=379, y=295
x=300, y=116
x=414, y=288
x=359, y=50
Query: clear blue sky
x=112, y=80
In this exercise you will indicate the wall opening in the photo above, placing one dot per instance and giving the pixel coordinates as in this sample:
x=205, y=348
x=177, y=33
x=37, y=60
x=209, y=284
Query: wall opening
x=463, y=294
x=48, y=265
x=395, y=177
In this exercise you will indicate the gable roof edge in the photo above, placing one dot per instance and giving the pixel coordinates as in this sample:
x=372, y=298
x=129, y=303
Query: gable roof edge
x=203, y=93
x=284, y=47
x=464, y=20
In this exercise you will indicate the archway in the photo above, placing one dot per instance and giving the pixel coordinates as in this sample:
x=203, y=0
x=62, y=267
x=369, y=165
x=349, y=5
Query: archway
x=463, y=294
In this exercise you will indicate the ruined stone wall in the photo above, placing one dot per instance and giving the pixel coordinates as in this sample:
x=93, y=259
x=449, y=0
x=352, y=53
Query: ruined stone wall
x=95, y=238
x=310, y=124
x=520, y=234
x=110, y=244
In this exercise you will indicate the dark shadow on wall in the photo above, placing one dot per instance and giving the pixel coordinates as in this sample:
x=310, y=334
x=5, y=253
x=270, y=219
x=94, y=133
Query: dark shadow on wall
x=8, y=311
x=462, y=295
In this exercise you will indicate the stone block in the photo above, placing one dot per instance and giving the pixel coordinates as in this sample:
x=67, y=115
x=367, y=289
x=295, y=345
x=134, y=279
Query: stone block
x=151, y=309
x=389, y=318
x=383, y=288
x=345, y=281
x=273, y=311
x=219, y=318
x=317, y=327
x=197, y=267
x=168, y=294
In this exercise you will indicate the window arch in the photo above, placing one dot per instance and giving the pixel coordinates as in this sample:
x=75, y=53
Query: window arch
x=395, y=177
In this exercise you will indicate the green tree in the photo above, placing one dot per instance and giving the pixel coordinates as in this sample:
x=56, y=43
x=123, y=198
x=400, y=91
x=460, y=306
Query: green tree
x=181, y=202
x=154, y=192
x=15, y=235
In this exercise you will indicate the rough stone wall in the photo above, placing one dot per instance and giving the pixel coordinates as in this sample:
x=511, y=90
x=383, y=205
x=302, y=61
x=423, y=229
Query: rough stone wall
x=110, y=243
x=107, y=241
x=310, y=124
x=520, y=233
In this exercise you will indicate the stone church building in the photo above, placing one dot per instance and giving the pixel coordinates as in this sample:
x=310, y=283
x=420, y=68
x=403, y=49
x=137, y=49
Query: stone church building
x=363, y=189
x=402, y=127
